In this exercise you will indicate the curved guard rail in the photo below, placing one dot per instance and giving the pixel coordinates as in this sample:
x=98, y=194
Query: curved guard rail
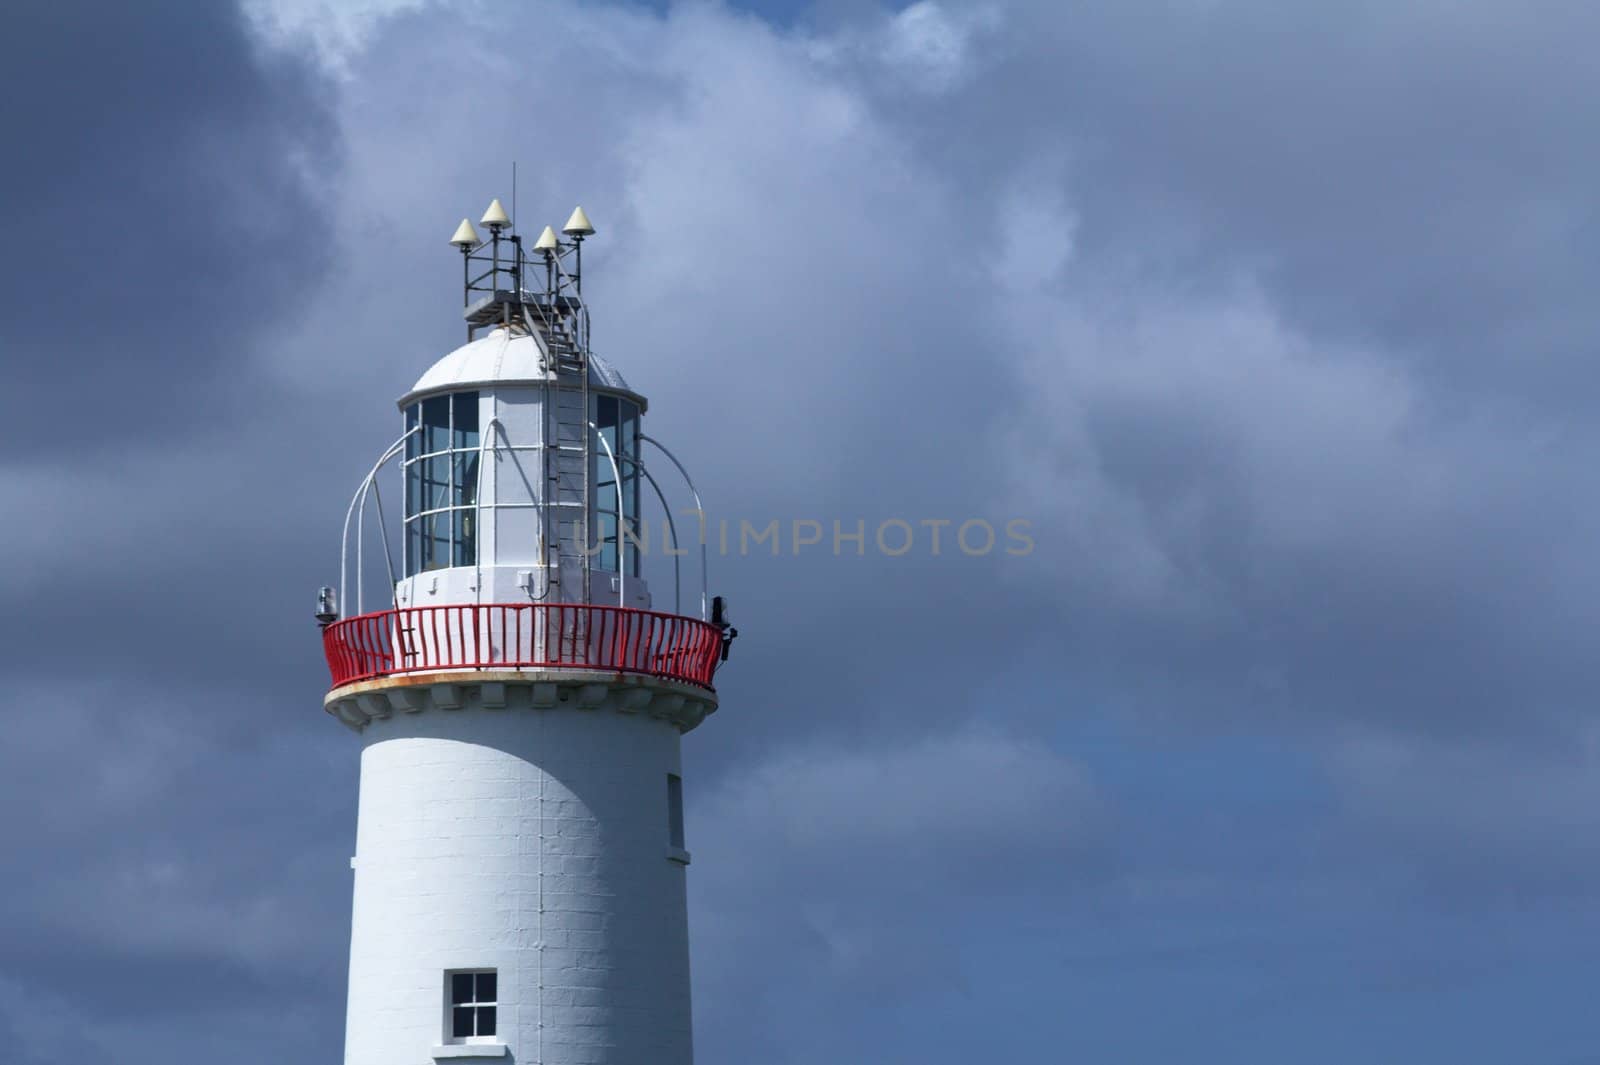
x=522, y=636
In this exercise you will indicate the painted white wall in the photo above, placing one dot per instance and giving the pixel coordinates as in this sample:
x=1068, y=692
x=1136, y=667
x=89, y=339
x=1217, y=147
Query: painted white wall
x=534, y=842
x=530, y=840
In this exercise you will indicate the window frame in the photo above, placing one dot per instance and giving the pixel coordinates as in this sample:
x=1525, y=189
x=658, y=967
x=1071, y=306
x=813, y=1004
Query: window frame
x=451, y=1005
x=614, y=530
x=432, y=506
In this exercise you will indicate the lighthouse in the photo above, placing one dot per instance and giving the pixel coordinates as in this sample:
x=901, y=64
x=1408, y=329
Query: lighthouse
x=519, y=692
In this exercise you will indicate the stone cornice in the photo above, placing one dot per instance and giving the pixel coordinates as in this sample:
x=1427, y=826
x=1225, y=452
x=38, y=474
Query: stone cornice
x=355, y=704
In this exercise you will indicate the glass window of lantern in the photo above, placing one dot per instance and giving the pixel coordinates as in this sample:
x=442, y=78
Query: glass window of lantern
x=435, y=424
x=616, y=505
x=630, y=479
x=441, y=482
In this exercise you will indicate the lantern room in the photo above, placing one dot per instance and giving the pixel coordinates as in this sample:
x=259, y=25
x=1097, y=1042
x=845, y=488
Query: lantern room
x=524, y=476
x=503, y=497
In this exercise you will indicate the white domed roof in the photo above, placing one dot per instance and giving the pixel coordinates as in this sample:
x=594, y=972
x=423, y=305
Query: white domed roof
x=501, y=357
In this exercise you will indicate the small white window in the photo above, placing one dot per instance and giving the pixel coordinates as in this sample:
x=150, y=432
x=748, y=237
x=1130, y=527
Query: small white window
x=473, y=998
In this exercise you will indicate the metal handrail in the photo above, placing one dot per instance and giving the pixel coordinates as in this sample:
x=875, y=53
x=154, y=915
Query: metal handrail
x=700, y=508
x=622, y=518
x=512, y=636
x=357, y=509
x=580, y=326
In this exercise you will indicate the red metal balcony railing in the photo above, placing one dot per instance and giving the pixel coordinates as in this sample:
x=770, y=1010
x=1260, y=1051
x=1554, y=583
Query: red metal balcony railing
x=522, y=636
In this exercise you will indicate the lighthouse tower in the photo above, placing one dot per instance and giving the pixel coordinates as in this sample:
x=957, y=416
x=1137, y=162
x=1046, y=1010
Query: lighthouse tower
x=520, y=859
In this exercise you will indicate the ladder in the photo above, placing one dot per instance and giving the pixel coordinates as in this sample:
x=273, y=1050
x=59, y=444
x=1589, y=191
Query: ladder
x=566, y=459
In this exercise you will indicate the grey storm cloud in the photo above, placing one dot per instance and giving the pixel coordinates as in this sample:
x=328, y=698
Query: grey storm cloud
x=157, y=211
x=1270, y=318
x=163, y=210
x=157, y=202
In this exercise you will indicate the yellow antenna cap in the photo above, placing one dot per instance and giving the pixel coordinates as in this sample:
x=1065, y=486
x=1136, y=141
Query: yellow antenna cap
x=495, y=216
x=547, y=240
x=466, y=236
x=578, y=225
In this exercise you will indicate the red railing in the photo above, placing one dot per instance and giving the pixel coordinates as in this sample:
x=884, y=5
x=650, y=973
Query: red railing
x=522, y=636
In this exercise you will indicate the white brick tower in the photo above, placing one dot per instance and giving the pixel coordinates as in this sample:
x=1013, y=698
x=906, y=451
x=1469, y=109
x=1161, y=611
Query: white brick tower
x=519, y=863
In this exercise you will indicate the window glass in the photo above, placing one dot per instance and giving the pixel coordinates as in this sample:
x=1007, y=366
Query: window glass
x=465, y=542
x=435, y=424
x=630, y=446
x=435, y=540
x=413, y=489
x=605, y=489
x=441, y=474
x=466, y=420
x=609, y=459
x=628, y=540
x=605, y=421
x=628, y=459
x=436, y=482
x=466, y=478
x=605, y=535
x=473, y=1000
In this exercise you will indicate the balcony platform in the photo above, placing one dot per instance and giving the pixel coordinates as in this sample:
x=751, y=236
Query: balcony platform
x=388, y=659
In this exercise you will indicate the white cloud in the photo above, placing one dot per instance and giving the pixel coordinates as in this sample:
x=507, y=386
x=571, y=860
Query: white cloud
x=762, y=226
x=1163, y=434
x=333, y=30
x=1033, y=230
x=931, y=46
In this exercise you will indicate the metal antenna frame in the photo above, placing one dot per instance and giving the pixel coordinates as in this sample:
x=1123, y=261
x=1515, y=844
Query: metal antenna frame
x=495, y=292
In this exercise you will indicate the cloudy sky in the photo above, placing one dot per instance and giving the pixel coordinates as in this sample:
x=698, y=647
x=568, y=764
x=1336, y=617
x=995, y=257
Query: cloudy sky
x=1274, y=319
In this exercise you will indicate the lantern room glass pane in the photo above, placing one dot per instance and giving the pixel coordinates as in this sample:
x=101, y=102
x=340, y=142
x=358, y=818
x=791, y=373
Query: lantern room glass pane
x=608, y=460
x=466, y=479
x=605, y=537
x=413, y=499
x=435, y=482
x=435, y=424
x=435, y=540
x=465, y=424
x=441, y=474
x=605, y=411
x=605, y=414
x=466, y=541
x=628, y=459
x=605, y=490
x=630, y=537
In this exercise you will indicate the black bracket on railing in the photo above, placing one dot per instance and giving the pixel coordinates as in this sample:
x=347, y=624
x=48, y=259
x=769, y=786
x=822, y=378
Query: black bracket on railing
x=327, y=606
x=719, y=618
